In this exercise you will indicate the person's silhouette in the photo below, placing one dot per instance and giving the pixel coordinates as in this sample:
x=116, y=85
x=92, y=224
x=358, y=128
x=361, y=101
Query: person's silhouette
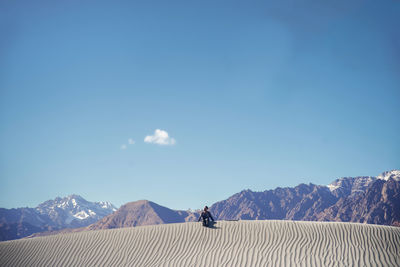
x=205, y=216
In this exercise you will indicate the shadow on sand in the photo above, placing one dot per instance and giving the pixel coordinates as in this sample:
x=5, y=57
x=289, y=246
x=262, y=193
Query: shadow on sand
x=211, y=225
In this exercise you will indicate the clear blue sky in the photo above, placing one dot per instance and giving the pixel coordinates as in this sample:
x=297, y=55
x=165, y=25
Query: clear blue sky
x=256, y=94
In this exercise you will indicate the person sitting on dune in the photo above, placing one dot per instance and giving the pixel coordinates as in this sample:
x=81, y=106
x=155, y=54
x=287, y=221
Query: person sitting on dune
x=206, y=216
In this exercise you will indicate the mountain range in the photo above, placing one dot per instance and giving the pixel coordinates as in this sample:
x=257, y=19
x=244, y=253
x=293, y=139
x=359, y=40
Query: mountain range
x=60, y=213
x=363, y=199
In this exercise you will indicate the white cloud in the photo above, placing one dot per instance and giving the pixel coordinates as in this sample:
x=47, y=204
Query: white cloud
x=123, y=147
x=131, y=141
x=160, y=137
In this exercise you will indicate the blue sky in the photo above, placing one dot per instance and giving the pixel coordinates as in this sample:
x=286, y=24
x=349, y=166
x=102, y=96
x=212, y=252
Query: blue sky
x=255, y=95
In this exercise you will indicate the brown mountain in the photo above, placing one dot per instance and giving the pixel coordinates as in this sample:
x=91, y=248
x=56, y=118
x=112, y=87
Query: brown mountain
x=138, y=213
x=142, y=212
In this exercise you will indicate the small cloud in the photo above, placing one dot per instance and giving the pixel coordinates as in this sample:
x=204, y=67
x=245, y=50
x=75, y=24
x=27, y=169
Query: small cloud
x=131, y=141
x=123, y=147
x=160, y=137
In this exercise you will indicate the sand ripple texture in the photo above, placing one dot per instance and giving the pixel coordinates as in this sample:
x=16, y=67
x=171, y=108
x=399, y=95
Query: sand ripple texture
x=242, y=243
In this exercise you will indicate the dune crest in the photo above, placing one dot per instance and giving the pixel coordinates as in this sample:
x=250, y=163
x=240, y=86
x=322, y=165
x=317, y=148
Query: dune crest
x=242, y=243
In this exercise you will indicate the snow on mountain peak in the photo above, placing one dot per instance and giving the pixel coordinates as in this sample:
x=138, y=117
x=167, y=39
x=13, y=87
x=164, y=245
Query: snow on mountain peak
x=355, y=185
x=350, y=185
x=107, y=205
x=75, y=210
x=333, y=186
x=81, y=215
x=394, y=174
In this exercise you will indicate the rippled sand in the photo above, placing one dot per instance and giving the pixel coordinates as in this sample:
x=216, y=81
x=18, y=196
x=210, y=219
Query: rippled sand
x=242, y=243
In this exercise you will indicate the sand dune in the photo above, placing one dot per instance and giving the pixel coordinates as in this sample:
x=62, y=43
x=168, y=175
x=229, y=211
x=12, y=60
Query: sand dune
x=243, y=243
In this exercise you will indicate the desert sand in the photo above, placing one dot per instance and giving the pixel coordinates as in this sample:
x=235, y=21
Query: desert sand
x=241, y=243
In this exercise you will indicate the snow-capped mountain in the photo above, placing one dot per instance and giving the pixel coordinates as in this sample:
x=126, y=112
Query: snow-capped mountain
x=74, y=211
x=379, y=204
x=393, y=174
x=60, y=213
x=347, y=186
x=350, y=186
x=362, y=199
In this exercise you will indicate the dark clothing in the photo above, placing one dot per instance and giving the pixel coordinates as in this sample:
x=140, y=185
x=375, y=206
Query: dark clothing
x=206, y=216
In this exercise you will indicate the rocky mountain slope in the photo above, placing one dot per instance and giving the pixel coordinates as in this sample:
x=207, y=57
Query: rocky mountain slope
x=379, y=204
x=361, y=199
x=281, y=203
x=68, y=212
